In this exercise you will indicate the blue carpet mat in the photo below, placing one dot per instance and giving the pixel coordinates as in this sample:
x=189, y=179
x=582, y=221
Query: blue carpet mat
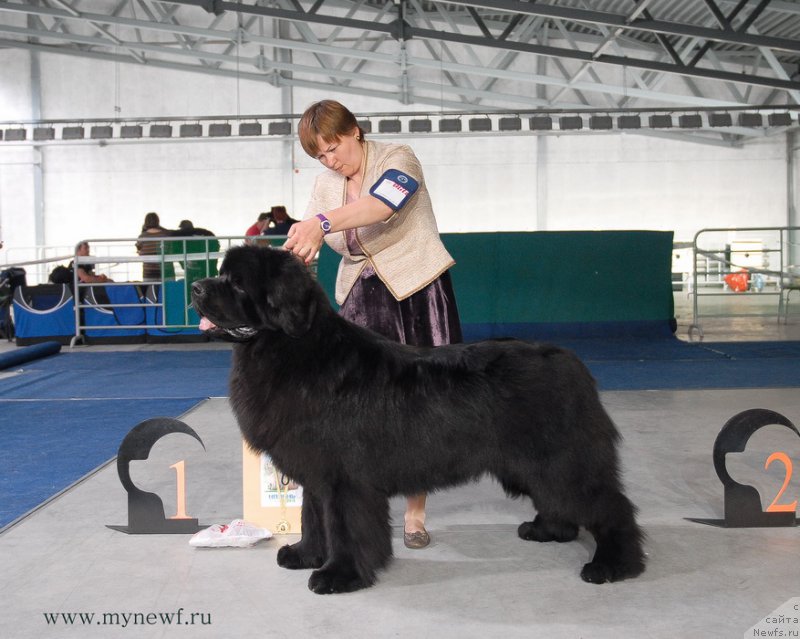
x=49, y=445
x=106, y=375
x=755, y=350
x=63, y=416
x=636, y=349
x=696, y=374
x=670, y=364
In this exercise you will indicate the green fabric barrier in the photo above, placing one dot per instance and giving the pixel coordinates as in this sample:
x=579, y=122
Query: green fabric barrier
x=176, y=309
x=194, y=269
x=562, y=276
x=327, y=267
x=554, y=277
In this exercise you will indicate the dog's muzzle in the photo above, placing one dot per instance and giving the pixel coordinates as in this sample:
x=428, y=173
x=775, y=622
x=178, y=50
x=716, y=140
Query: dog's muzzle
x=238, y=333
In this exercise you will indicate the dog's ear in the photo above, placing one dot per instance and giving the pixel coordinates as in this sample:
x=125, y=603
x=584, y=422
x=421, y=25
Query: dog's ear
x=291, y=303
x=293, y=319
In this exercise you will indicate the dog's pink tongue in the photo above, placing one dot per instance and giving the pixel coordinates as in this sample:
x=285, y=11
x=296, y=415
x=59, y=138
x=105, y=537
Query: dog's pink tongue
x=206, y=325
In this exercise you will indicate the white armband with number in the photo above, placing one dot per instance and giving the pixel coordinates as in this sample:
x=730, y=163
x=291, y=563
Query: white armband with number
x=394, y=188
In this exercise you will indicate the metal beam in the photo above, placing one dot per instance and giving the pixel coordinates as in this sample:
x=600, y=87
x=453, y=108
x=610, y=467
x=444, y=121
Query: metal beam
x=354, y=44
x=342, y=75
x=624, y=60
x=99, y=28
x=621, y=20
x=724, y=21
x=586, y=56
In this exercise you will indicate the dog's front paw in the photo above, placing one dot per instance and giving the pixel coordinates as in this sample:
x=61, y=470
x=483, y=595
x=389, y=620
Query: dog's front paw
x=331, y=580
x=597, y=572
x=294, y=558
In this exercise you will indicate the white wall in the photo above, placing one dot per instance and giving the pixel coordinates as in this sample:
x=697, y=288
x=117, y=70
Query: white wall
x=105, y=191
x=16, y=164
x=629, y=181
x=612, y=181
x=15, y=95
x=16, y=197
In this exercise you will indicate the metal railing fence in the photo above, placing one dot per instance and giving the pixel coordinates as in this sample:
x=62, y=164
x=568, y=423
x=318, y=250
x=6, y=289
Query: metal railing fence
x=762, y=257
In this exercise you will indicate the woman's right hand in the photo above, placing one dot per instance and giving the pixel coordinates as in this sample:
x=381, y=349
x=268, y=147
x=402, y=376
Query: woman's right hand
x=305, y=239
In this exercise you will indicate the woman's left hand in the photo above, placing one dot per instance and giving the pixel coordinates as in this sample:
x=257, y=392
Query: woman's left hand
x=305, y=239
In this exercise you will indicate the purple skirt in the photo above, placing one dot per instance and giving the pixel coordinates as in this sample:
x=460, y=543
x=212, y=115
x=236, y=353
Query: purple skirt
x=429, y=317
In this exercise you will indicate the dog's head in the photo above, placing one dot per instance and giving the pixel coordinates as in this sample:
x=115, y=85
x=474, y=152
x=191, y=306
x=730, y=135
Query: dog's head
x=258, y=289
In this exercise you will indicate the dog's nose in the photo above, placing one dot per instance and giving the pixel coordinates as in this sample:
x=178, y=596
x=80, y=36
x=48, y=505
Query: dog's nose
x=197, y=288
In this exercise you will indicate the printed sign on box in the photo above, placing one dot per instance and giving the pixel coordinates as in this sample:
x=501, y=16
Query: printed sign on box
x=271, y=500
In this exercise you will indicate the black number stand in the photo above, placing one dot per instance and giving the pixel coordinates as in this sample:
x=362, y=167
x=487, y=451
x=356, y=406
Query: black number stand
x=146, y=510
x=743, y=502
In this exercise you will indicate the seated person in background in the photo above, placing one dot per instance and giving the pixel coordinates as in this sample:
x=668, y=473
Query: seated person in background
x=86, y=272
x=279, y=221
x=187, y=229
x=152, y=229
x=257, y=228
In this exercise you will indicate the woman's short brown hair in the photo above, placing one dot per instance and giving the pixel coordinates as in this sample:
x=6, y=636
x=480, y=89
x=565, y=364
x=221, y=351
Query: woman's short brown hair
x=329, y=119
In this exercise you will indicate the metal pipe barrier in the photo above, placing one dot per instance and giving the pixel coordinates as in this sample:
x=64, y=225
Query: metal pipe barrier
x=761, y=255
x=183, y=259
x=40, y=257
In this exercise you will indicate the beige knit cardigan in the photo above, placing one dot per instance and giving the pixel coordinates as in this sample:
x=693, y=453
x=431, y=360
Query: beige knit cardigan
x=405, y=250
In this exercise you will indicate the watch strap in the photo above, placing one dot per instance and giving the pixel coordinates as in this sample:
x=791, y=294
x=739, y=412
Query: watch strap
x=324, y=223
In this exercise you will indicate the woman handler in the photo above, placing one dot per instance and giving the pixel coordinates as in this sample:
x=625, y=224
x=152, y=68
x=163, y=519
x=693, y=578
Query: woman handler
x=372, y=207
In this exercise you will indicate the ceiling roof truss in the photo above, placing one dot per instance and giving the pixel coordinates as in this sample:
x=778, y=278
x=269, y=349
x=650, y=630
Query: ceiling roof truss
x=455, y=54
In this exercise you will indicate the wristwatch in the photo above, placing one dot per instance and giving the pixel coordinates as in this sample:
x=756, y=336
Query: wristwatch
x=324, y=223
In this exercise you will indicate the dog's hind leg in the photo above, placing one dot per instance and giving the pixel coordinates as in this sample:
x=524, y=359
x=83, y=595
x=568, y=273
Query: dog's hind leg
x=547, y=528
x=359, y=540
x=619, y=554
x=309, y=552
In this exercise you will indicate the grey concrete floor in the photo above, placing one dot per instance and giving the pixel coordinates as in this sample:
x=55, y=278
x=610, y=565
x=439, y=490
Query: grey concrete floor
x=477, y=579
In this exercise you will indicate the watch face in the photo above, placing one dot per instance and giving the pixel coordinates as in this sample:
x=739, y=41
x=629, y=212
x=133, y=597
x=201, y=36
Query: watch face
x=325, y=225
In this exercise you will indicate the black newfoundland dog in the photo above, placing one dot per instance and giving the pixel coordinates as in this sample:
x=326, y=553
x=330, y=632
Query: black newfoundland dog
x=355, y=419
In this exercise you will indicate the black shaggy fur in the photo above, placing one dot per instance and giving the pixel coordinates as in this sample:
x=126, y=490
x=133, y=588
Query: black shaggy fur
x=355, y=419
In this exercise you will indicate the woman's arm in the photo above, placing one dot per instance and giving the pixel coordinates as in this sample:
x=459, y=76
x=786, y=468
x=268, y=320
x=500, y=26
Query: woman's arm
x=305, y=238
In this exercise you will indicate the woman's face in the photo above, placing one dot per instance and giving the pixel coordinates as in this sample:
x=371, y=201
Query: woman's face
x=344, y=155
